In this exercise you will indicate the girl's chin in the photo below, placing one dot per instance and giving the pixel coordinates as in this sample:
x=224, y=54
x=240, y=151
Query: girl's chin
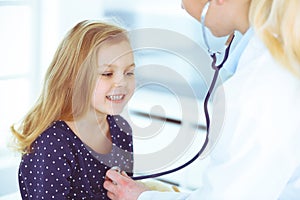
x=110, y=109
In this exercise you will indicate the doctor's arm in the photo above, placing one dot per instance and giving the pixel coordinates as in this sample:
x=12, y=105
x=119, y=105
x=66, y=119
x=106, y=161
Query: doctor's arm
x=120, y=186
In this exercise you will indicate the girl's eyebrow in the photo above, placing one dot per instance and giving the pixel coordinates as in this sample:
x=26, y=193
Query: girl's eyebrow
x=131, y=65
x=111, y=65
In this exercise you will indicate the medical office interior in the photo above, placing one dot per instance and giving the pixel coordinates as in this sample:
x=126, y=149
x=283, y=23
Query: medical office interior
x=170, y=85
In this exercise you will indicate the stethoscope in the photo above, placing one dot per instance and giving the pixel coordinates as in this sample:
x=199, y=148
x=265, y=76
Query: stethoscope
x=206, y=100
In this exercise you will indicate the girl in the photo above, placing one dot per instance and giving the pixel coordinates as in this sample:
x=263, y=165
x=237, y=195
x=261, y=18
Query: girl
x=74, y=133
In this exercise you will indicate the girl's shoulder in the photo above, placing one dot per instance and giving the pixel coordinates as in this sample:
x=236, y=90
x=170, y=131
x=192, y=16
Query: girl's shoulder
x=55, y=144
x=57, y=136
x=60, y=130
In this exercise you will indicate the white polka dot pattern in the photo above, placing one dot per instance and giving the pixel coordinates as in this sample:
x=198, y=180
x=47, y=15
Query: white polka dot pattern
x=62, y=167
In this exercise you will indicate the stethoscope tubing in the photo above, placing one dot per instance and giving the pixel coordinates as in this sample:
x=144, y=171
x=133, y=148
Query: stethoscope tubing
x=206, y=112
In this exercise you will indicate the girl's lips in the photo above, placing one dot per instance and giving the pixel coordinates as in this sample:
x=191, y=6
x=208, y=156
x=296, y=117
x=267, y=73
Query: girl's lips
x=118, y=97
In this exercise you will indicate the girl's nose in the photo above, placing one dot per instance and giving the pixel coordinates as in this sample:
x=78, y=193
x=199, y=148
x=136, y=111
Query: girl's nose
x=119, y=81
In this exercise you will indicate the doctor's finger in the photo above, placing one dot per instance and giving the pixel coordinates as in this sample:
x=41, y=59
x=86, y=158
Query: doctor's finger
x=125, y=174
x=114, y=176
x=109, y=186
x=111, y=195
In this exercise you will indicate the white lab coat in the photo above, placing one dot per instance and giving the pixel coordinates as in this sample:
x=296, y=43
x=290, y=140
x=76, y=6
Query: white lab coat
x=257, y=155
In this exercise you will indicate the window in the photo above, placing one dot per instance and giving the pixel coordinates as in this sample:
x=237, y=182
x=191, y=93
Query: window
x=18, y=72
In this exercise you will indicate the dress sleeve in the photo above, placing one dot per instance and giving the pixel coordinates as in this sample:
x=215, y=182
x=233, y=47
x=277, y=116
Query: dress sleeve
x=45, y=173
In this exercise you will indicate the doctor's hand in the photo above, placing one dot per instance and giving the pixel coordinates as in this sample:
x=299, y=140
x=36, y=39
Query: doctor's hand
x=122, y=187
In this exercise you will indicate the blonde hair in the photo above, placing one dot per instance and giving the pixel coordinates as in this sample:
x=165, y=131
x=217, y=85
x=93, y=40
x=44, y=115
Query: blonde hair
x=277, y=23
x=69, y=80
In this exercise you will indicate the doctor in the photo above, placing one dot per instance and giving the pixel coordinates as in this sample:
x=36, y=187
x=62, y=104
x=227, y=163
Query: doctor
x=258, y=153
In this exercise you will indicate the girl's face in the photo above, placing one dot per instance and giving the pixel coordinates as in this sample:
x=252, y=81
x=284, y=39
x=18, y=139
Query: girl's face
x=116, y=82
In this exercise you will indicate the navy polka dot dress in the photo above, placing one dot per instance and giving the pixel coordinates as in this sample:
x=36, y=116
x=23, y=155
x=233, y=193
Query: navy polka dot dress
x=62, y=167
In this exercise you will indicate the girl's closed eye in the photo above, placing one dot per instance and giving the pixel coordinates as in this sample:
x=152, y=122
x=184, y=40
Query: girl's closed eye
x=130, y=73
x=107, y=74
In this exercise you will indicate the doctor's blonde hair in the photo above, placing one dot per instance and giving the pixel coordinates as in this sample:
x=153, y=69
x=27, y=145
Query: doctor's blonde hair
x=69, y=81
x=278, y=24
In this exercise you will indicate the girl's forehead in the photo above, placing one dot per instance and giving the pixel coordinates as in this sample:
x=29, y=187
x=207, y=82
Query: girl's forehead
x=112, y=54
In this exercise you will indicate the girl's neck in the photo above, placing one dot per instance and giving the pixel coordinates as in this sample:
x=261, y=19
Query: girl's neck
x=92, y=131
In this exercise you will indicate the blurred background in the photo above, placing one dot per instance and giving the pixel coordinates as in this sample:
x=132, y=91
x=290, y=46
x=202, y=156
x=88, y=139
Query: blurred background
x=172, y=76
